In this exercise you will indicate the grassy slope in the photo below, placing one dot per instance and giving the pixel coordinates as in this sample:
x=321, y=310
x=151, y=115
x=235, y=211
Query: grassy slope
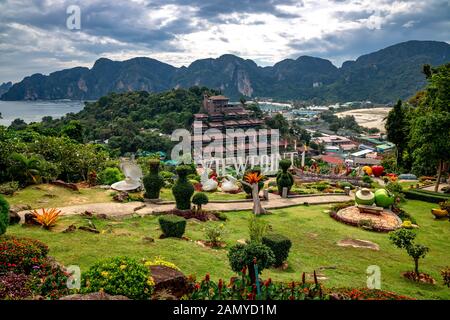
x=46, y=195
x=314, y=235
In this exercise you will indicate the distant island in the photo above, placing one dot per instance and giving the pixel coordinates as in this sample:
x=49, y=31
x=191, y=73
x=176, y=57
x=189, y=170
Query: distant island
x=381, y=77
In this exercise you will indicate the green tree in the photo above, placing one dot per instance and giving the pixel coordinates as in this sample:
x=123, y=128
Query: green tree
x=397, y=129
x=24, y=169
x=430, y=126
x=404, y=239
x=73, y=130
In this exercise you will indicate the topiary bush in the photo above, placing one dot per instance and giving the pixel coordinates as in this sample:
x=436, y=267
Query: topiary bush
x=242, y=256
x=183, y=190
x=119, y=276
x=172, y=225
x=153, y=181
x=284, y=178
x=280, y=246
x=4, y=215
x=200, y=199
x=110, y=176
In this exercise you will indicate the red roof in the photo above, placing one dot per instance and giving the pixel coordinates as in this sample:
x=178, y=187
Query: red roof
x=331, y=159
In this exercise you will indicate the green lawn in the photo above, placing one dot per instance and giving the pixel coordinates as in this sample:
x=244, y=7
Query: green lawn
x=313, y=233
x=47, y=195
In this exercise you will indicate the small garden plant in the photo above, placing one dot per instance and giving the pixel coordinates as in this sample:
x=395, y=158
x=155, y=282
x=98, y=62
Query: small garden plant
x=200, y=199
x=257, y=229
x=119, y=276
x=214, y=234
x=47, y=218
x=404, y=239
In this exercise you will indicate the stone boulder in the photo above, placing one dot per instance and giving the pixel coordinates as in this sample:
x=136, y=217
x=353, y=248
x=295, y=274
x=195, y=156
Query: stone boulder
x=168, y=280
x=14, y=217
x=29, y=220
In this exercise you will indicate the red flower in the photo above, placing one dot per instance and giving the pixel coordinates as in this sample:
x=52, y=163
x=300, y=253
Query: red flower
x=207, y=277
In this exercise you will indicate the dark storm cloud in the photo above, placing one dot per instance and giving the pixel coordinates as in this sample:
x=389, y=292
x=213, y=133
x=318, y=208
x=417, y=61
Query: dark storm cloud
x=34, y=37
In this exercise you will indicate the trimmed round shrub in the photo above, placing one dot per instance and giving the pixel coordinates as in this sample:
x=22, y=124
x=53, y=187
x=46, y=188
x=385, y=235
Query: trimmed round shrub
x=284, y=178
x=367, y=179
x=183, y=190
x=4, y=215
x=119, y=276
x=110, y=176
x=172, y=225
x=200, y=199
x=280, y=246
x=153, y=182
x=20, y=255
x=241, y=256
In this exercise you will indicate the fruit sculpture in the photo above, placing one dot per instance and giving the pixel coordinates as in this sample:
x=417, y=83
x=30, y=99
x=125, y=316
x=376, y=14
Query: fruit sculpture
x=367, y=170
x=439, y=213
x=377, y=171
x=365, y=197
x=383, y=198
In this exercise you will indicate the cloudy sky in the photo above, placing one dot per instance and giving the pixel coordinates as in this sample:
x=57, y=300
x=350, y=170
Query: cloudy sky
x=34, y=36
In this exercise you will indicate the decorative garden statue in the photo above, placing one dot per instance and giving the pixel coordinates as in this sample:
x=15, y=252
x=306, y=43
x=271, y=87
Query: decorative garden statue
x=229, y=185
x=284, y=177
x=252, y=180
x=182, y=189
x=153, y=182
x=133, y=176
x=246, y=188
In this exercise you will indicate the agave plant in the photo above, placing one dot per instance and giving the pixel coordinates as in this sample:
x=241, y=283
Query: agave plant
x=47, y=218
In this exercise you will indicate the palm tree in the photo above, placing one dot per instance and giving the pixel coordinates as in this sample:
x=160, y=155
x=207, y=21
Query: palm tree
x=23, y=169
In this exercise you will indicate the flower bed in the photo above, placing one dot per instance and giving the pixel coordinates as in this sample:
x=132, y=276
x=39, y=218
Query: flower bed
x=364, y=294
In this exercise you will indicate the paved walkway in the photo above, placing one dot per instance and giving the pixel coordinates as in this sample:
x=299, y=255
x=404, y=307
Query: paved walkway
x=124, y=209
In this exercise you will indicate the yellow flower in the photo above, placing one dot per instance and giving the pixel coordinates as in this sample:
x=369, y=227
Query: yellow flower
x=123, y=266
x=150, y=281
x=105, y=273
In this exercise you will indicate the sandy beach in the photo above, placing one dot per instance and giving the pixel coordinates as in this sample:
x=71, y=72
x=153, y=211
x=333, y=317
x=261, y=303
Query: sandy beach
x=369, y=118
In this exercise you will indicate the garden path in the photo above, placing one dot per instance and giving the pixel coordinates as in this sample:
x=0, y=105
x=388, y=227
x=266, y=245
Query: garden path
x=125, y=209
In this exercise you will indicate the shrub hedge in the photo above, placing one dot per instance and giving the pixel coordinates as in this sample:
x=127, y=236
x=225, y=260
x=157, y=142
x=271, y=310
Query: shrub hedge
x=4, y=215
x=172, y=225
x=280, y=246
x=425, y=195
x=119, y=276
